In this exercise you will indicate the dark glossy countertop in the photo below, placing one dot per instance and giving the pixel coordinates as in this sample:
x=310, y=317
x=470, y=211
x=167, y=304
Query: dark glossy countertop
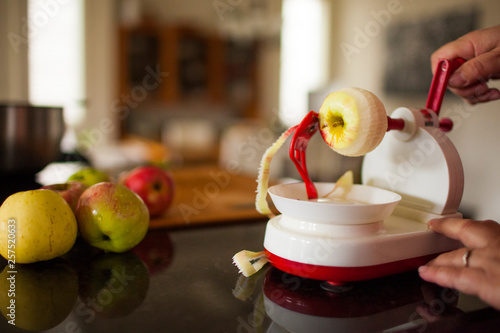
x=183, y=280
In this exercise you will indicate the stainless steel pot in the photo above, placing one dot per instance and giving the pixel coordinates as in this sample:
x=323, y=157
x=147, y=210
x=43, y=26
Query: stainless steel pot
x=30, y=137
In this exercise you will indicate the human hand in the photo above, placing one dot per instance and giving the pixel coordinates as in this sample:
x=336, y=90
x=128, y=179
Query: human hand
x=481, y=50
x=478, y=275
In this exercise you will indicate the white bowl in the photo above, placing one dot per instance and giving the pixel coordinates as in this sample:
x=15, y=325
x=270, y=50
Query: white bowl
x=365, y=204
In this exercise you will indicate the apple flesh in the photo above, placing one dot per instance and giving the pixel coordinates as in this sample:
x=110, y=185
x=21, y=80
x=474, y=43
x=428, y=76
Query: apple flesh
x=111, y=217
x=154, y=185
x=70, y=191
x=352, y=121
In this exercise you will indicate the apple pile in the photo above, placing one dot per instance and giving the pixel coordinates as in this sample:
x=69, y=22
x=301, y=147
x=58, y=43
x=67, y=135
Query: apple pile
x=43, y=224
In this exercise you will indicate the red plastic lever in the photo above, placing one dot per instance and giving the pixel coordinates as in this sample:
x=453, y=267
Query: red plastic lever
x=439, y=82
x=436, y=93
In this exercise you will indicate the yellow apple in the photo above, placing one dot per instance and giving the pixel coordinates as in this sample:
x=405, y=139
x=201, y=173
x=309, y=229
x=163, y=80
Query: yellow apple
x=36, y=225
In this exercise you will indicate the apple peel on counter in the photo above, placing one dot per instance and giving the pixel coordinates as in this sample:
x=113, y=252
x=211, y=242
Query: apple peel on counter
x=249, y=262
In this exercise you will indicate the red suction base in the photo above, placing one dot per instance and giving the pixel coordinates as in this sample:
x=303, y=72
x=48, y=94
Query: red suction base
x=342, y=275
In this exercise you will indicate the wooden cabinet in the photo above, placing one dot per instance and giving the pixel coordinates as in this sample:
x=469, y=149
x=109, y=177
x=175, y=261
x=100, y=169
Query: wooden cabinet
x=194, y=65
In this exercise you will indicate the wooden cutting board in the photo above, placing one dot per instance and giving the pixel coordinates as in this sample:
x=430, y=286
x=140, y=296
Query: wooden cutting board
x=208, y=195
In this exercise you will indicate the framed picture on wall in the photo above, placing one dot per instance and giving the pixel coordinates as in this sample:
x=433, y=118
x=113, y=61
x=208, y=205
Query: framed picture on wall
x=410, y=45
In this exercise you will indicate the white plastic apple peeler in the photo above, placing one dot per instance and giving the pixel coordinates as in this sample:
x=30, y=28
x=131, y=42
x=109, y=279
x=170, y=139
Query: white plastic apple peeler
x=414, y=175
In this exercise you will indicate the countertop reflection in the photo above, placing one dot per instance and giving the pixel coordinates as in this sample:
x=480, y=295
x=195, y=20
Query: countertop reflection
x=183, y=280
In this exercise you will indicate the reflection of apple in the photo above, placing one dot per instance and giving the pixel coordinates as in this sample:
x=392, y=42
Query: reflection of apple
x=113, y=285
x=89, y=176
x=154, y=185
x=112, y=217
x=70, y=191
x=156, y=250
x=37, y=225
x=43, y=296
x=80, y=255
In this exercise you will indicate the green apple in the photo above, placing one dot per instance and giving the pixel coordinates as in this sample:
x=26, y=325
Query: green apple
x=36, y=225
x=38, y=296
x=112, y=217
x=112, y=285
x=89, y=176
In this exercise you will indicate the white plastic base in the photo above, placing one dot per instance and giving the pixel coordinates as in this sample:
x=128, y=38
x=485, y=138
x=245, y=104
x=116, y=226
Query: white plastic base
x=309, y=249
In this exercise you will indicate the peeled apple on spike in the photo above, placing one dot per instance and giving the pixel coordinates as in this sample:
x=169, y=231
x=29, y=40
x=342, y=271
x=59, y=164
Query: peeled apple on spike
x=352, y=121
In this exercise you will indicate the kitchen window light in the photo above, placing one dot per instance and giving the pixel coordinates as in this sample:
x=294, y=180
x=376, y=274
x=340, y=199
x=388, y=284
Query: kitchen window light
x=56, y=58
x=304, y=55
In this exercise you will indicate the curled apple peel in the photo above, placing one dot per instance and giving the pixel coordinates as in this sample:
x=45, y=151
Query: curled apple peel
x=344, y=182
x=263, y=178
x=249, y=262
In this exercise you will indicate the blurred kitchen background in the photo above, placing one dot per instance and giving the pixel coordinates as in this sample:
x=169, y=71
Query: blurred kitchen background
x=215, y=82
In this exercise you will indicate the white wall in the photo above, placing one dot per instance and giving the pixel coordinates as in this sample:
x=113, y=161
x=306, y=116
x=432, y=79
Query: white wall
x=475, y=134
x=13, y=50
x=100, y=125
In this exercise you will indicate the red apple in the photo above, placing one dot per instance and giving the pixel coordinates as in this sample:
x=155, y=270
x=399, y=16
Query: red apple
x=70, y=191
x=154, y=185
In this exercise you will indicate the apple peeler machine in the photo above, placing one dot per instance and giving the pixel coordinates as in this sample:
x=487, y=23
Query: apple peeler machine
x=413, y=176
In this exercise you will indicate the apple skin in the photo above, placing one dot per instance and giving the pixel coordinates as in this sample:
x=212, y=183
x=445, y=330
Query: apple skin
x=154, y=185
x=111, y=217
x=89, y=176
x=70, y=191
x=42, y=222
